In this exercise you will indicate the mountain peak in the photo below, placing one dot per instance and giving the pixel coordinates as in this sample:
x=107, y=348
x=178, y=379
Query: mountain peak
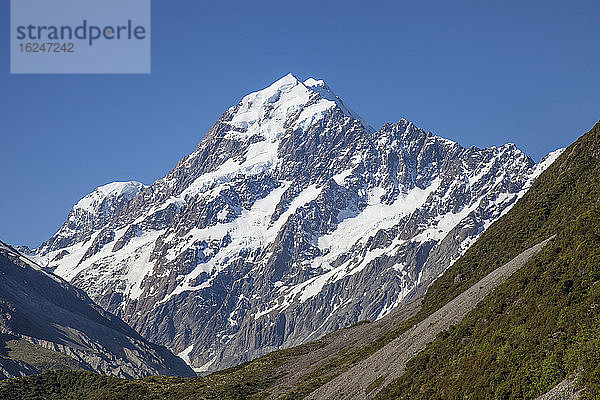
x=265, y=112
x=114, y=189
x=285, y=83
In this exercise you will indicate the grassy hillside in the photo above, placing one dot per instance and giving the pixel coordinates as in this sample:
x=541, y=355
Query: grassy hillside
x=15, y=351
x=523, y=339
x=71, y=385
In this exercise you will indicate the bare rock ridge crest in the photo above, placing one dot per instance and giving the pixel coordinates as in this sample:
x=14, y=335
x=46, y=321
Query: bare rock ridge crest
x=293, y=217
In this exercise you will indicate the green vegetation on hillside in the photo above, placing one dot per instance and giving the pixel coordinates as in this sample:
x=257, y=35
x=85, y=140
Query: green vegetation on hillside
x=42, y=359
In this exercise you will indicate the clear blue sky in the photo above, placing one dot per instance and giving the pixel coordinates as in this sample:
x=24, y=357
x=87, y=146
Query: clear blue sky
x=479, y=73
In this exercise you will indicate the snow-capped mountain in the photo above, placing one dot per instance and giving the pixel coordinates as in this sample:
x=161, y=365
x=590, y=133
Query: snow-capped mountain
x=292, y=218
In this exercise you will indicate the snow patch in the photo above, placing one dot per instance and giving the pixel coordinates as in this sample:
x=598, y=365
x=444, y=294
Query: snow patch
x=185, y=354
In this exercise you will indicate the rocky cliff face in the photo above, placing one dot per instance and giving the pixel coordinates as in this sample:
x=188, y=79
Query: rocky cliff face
x=292, y=218
x=46, y=323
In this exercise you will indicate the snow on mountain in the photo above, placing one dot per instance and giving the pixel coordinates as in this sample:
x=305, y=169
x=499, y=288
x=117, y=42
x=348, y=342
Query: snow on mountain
x=292, y=217
x=93, y=202
x=91, y=213
x=325, y=92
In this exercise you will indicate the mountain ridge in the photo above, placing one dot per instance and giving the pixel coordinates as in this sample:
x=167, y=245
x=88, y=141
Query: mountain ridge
x=47, y=323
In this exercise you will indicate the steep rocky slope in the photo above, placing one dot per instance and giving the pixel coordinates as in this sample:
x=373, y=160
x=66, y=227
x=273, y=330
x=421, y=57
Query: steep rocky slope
x=45, y=323
x=292, y=218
